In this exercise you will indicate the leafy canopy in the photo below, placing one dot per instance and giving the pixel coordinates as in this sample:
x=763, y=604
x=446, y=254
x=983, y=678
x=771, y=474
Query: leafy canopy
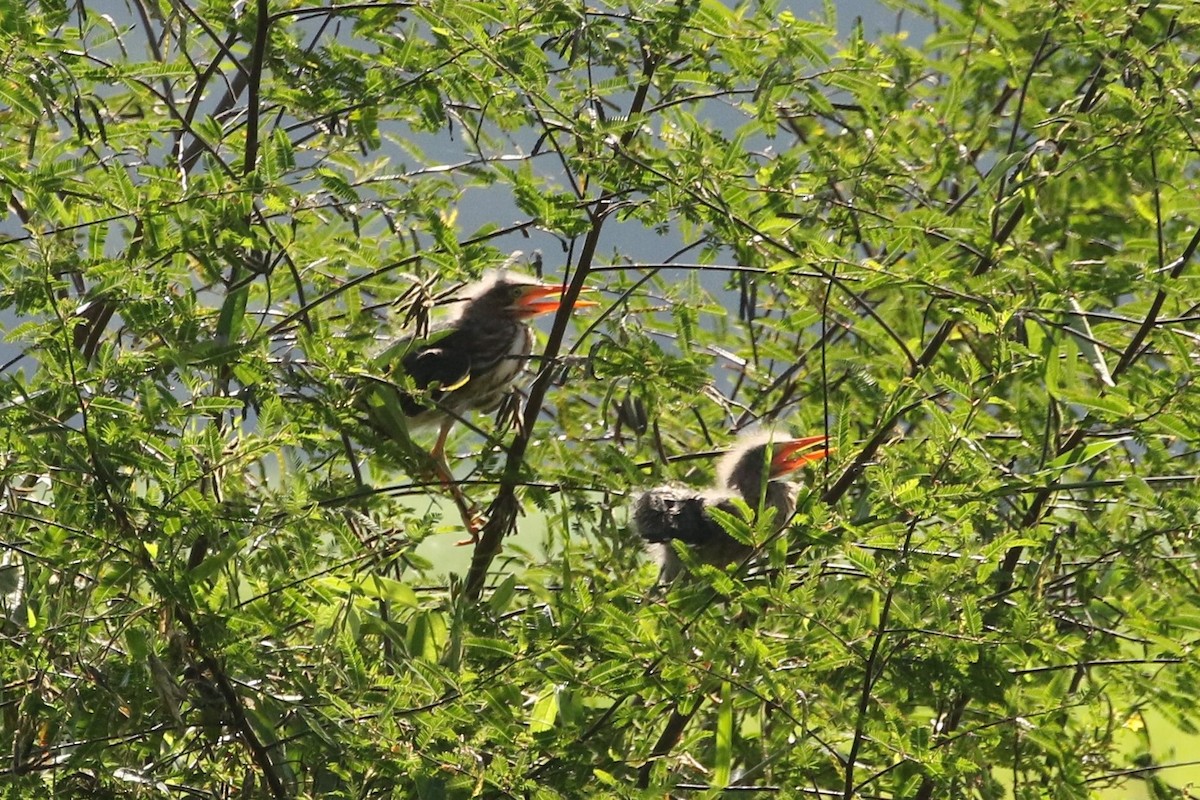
x=965, y=253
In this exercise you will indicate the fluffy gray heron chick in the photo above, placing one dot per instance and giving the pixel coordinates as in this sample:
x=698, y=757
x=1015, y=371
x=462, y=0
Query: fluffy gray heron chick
x=754, y=471
x=466, y=363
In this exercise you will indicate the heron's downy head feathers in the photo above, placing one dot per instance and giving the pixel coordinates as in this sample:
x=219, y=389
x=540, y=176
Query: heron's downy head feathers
x=742, y=468
x=766, y=457
x=503, y=294
x=496, y=293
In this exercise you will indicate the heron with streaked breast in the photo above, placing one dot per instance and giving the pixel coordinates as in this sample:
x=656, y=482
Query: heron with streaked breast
x=466, y=363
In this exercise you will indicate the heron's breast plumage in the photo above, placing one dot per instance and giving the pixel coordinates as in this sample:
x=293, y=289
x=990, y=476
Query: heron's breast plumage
x=500, y=361
x=461, y=367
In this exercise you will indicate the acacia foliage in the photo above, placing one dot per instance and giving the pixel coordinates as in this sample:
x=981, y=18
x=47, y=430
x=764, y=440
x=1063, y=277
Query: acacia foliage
x=965, y=253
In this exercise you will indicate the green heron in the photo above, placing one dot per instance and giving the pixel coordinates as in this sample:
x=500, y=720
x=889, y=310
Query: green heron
x=466, y=363
x=752, y=471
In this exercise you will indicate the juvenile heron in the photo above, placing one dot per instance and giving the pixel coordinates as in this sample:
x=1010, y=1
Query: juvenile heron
x=752, y=471
x=467, y=363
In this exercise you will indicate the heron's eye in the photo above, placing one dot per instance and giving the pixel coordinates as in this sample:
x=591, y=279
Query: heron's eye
x=516, y=292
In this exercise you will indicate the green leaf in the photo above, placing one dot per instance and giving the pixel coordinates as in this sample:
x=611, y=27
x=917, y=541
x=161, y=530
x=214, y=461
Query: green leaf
x=1110, y=404
x=233, y=310
x=503, y=594
x=723, y=765
x=388, y=589
x=1176, y=426
x=1085, y=454
x=545, y=711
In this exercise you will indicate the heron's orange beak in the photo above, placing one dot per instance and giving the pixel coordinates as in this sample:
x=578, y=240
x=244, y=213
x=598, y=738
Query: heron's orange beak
x=790, y=454
x=542, y=298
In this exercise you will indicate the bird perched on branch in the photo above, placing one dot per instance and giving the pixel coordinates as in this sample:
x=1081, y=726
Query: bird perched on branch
x=753, y=471
x=467, y=363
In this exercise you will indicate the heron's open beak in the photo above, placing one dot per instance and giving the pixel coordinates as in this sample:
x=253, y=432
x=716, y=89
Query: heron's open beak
x=544, y=298
x=792, y=454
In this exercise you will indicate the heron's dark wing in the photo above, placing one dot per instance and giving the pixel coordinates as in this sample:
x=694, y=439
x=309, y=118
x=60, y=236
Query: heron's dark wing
x=664, y=514
x=446, y=363
x=472, y=363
